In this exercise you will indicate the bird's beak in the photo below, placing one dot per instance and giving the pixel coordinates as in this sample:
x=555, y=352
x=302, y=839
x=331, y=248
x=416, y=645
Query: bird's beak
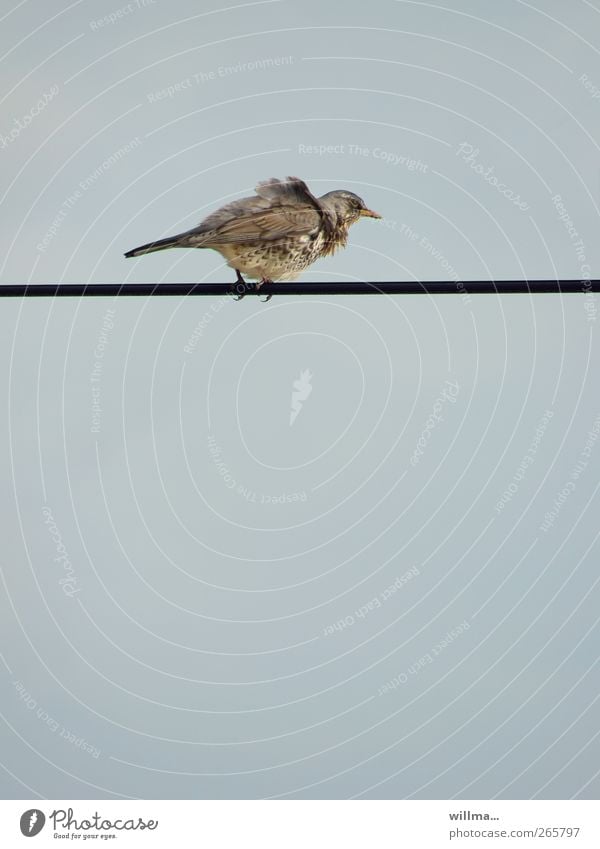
x=368, y=213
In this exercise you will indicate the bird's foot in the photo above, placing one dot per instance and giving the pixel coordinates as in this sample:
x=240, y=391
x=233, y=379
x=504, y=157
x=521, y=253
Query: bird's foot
x=258, y=285
x=241, y=287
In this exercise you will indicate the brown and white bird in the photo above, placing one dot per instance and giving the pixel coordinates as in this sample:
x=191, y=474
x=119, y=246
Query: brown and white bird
x=276, y=233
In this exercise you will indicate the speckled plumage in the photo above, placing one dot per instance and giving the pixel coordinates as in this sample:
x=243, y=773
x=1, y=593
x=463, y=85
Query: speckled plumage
x=275, y=234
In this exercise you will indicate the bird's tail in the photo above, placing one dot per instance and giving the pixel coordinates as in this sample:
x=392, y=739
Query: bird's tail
x=159, y=245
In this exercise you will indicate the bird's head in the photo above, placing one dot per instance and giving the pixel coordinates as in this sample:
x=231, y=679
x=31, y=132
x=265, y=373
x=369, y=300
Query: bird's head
x=346, y=207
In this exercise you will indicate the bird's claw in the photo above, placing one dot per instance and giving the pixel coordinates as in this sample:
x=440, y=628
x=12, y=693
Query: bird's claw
x=268, y=297
x=240, y=287
x=237, y=295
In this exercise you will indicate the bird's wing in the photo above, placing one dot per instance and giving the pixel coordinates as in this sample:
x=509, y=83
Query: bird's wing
x=277, y=222
x=290, y=190
x=234, y=209
x=269, y=193
x=293, y=190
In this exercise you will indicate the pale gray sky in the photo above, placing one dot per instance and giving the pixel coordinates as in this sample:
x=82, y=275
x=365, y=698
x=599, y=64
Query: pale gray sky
x=396, y=595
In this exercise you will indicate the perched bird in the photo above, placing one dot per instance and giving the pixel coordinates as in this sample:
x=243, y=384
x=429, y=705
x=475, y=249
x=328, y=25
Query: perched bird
x=275, y=234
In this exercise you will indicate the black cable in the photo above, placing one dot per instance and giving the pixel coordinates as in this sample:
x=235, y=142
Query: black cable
x=387, y=287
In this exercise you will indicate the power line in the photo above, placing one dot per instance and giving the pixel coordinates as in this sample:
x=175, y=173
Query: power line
x=386, y=287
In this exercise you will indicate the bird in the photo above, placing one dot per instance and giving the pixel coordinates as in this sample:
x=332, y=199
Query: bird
x=274, y=234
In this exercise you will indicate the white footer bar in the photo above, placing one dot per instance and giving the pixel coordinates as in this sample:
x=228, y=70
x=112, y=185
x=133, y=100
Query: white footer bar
x=302, y=824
